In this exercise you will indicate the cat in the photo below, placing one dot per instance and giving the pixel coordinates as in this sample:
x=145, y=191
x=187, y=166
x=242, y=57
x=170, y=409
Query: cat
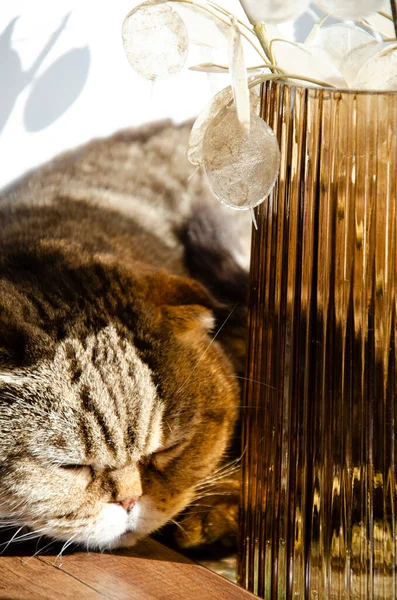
x=122, y=336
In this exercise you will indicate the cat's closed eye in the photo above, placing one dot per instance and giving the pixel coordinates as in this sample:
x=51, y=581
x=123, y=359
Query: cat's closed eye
x=73, y=467
x=78, y=469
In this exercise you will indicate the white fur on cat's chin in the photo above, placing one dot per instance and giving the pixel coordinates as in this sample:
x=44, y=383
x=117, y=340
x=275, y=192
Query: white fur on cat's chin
x=126, y=529
x=111, y=523
x=114, y=527
x=146, y=520
x=142, y=520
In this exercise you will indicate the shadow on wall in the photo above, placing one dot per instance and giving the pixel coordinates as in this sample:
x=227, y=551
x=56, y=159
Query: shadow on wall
x=53, y=92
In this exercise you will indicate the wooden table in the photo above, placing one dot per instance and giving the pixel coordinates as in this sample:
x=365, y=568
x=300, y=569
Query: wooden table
x=149, y=571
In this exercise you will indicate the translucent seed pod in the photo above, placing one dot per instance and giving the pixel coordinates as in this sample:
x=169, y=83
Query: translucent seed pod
x=155, y=40
x=338, y=40
x=351, y=9
x=209, y=112
x=381, y=23
x=379, y=73
x=358, y=57
x=241, y=168
x=345, y=46
x=306, y=61
x=274, y=11
x=204, y=29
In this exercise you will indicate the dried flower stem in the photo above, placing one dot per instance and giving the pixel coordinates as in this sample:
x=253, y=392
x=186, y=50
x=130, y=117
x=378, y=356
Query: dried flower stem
x=382, y=13
x=229, y=15
x=260, y=32
x=224, y=68
x=262, y=36
x=282, y=40
x=258, y=79
x=279, y=77
x=393, y=5
x=373, y=29
x=315, y=28
x=216, y=11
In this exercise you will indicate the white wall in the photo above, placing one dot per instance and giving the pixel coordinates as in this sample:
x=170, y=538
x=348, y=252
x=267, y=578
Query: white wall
x=64, y=79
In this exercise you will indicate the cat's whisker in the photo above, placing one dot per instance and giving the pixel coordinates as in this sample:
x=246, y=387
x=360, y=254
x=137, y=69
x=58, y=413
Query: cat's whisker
x=38, y=541
x=200, y=512
x=272, y=387
x=230, y=464
x=210, y=490
x=191, y=382
x=9, y=525
x=217, y=492
x=66, y=545
x=219, y=476
x=11, y=540
x=216, y=484
x=222, y=473
x=207, y=348
x=212, y=485
x=228, y=471
x=180, y=526
x=168, y=425
x=230, y=467
x=25, y=537
x=202, y=497
x=235, y=463
x=38, y=550
x=193, y=507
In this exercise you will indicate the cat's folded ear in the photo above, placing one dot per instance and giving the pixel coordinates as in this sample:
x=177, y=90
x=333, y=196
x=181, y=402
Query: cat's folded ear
x=188, y=318
x=183, y=302
x=162, y=289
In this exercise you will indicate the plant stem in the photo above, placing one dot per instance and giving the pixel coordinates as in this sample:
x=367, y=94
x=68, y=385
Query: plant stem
x=385, y=14
x=393, y=4
x=257, y=79
x=373, y=29
x=217, y=11
x=228, y=14
x=260, y=32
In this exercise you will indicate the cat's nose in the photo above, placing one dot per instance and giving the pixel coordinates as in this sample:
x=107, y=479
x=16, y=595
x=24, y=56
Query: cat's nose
x=128, y=503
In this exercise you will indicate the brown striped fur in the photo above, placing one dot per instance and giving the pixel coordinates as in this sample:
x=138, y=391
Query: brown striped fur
x=111, y=387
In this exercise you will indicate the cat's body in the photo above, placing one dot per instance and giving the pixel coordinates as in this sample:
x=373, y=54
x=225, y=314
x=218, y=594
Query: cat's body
x=116, y=407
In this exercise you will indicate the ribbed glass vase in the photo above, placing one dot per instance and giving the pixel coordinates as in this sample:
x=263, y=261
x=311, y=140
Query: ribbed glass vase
x=319, y=473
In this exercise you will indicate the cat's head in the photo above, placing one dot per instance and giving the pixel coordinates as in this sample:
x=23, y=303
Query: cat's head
x=114, y=402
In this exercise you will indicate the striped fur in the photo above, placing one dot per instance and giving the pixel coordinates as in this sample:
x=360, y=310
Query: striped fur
x=110, y=384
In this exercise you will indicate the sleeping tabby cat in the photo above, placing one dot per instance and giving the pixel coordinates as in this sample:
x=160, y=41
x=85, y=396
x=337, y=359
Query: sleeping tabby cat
x=117, y=404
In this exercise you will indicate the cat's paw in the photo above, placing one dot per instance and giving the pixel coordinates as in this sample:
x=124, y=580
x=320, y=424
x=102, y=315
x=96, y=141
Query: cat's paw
x=213, y=516
x=204, y=525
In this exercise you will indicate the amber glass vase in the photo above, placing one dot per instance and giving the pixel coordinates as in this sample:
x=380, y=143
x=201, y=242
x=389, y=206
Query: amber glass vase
x=319, y=475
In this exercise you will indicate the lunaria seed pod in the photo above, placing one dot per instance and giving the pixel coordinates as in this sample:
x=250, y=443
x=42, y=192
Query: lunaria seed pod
x=218, y=103
x=274, y=11
x=350, y=9
x=241, y=167
x=155, y=40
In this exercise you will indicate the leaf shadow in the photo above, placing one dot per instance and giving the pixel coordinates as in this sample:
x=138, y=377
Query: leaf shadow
x=12, y=78
x=53, y=92
x=57, y=89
